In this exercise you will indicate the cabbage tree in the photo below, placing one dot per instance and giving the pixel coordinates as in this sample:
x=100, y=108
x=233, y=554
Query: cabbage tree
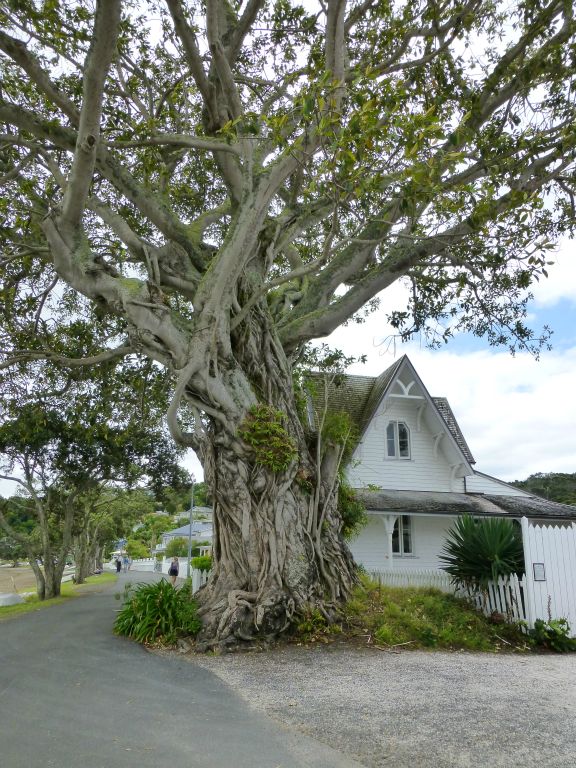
x=480, y=550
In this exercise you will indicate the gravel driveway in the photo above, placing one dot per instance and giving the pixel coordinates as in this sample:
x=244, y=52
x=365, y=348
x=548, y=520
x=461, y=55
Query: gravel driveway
x=415, y=709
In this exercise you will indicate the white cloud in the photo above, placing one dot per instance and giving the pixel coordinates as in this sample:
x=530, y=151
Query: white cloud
x=561, y=281
x=191, y=462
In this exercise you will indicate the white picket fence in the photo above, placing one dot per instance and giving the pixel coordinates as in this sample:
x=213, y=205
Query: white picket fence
x=546, y=591
x=151, y=564
x=417, y=578
x=506, y=596
x=550, y=556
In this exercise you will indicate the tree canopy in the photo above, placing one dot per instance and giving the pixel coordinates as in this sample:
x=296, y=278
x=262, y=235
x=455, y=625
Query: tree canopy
x=555, y=486
x=210, y=186
x=69, y=450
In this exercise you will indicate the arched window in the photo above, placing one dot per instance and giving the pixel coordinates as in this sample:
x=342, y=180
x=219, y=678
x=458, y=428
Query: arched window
x=397, y=440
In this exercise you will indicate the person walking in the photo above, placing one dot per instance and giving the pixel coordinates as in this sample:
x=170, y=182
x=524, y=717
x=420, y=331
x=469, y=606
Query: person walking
x=126, y=563
x=173, y=570
x=118, y=564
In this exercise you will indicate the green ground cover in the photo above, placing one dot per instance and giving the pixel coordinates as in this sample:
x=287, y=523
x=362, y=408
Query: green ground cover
x=410, y=618
x=69, y=590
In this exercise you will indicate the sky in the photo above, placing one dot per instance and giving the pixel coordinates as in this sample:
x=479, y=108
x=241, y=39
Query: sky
x=518, y=414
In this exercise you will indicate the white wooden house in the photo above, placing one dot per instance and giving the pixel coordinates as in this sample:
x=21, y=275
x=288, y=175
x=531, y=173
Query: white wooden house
x=415, y=473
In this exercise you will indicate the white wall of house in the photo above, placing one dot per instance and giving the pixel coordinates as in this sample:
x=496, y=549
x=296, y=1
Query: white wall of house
x=479, y=483
x=428, y=536
x=427, y=469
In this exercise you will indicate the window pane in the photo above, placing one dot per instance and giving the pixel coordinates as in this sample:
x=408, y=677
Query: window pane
x=406, y=535
x=396, y=538
x=391, y=439
x=403, y=440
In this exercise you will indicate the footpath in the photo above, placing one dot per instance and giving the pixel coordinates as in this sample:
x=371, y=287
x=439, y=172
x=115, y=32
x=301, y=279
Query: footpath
x=73, y=694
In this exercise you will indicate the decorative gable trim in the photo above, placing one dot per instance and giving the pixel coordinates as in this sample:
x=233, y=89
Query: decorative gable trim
x=361, y=396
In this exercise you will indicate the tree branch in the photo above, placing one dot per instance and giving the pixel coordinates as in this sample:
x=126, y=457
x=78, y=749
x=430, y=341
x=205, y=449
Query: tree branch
x=402, y=256
x=180, y=140
x=97, y=64
x=243, y=28
x=192, y=51
x=17, y=51
x=105, y=356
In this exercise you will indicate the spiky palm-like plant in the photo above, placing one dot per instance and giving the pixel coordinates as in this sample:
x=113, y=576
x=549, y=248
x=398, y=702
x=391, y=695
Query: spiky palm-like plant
x=477, y=551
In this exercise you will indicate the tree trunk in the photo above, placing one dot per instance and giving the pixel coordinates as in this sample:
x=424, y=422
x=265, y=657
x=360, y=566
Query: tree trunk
x=98, y=558
x=40, y=580
x=83, y=557
x=53, y=573
x=275, y=555
x=278, y=548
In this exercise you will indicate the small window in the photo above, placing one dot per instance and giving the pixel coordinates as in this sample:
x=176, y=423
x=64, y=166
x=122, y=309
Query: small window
x=397, y=440
x=402, y=536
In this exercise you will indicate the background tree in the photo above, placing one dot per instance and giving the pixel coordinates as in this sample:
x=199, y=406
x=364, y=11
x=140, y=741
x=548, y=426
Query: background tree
x=556, y=486
x=12, y=550
x=136, y=549
x=152, y=527
x=177, y=500
x=177, y=547
x=106, y=514
x=62, y=449
x=211, y=186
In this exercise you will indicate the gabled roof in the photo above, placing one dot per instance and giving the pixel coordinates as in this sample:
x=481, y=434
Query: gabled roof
x=360, y=396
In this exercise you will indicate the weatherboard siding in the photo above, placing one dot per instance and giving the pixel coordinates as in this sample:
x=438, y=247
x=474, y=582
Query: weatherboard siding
x=428, y=536
x=490, y=485
x=423, y=471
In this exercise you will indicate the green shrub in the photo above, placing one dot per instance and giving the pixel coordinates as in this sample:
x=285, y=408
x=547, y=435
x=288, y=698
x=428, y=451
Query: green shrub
x=352, y=511
x=264, y=431
x=177, y=547
x=136, y=549
x=311, y=625
x=477, y=551
x=157, y=613
x=553, y=634
x=202, y=563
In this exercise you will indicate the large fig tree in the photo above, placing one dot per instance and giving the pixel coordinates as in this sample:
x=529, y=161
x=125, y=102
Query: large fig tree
x=213, y=185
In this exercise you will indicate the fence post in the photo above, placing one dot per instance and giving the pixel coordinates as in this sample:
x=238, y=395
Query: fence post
x=528, y=576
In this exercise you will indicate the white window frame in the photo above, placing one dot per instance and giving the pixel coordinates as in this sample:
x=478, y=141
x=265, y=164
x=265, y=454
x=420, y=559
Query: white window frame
x=404, y=526
x=396, y=436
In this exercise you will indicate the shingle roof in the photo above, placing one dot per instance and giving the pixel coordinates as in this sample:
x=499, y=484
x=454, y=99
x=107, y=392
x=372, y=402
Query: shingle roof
x=356, y=395
x=447, y=414
x=359, y=396
x=489, y=505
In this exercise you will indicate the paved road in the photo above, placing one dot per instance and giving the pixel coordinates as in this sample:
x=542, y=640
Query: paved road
x=74, y=695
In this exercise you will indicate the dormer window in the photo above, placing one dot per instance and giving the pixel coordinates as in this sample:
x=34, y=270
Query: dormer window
x=397, y=440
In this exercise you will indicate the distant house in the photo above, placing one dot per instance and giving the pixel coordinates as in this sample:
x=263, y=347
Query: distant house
x=415, y=472
x=201, y=529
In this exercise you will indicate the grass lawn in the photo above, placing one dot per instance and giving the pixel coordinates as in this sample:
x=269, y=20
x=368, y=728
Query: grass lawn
x=391, y=618
x=69, y=590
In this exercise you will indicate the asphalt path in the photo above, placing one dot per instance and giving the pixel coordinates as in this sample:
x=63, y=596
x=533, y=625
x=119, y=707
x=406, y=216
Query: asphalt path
x=73, y=694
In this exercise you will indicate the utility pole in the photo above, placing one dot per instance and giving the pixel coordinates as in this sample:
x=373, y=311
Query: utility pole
x=188, y=570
